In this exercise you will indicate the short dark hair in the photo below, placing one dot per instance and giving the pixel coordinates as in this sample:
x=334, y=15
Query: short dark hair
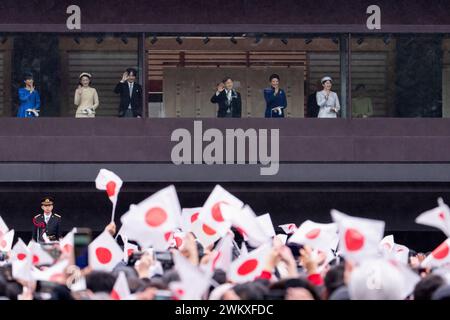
x=100, y=281
x=28, y=76
x=427, y=286
x=226, y=79
x=133, y=71
x=85, y=75
x=274, y=76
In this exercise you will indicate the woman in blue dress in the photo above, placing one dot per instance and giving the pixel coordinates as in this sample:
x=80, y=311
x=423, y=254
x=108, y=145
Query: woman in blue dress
x=275, y=97
x=30, y=101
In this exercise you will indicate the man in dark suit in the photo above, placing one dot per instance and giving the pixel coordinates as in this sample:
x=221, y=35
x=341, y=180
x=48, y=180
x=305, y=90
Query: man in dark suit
x=46, y=226
x=130, y=95
x=228, y=99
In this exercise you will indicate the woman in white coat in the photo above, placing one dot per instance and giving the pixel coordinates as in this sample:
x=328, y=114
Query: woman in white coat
x=327, y=100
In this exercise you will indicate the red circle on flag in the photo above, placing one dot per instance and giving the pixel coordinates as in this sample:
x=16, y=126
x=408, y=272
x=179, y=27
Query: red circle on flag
x=178, y=242
x=179, y=292
x=115, y=295
x=313, y=234
x=130, y=252
x=441, y=252
x=155, y=217
x=67, y=248
x=21, y=256
x=208, y=230
x=35, y=259
x=194, y=217
x=247, y=267
x=167, y=235
x=3, y=243
x=216, y=213
x=354, y=240
x=111, y=188
x=442, y=216
x=104, y=255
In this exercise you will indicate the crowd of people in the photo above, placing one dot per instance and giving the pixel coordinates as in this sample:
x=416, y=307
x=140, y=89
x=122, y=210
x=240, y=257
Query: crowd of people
x=325, y=102
x=223, y=251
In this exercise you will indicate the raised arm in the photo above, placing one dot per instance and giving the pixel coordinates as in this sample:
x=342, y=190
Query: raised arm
x=321, y=99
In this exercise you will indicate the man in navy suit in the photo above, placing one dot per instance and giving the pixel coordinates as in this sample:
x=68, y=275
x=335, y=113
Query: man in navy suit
x=228, y=99
x=130, y=95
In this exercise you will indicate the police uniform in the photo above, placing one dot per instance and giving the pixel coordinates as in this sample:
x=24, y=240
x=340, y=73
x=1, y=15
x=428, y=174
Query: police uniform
x=51, y=228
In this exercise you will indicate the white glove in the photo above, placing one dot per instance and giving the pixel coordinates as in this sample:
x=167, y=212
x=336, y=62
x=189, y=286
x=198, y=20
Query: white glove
x=34, y=112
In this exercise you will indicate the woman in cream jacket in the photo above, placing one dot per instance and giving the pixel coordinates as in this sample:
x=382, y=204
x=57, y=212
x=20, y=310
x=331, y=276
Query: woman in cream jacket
x=86, y=98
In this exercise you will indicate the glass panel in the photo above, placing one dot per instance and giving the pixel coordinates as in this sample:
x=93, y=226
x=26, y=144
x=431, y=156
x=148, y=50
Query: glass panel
x=184, y=72
x=398, y=75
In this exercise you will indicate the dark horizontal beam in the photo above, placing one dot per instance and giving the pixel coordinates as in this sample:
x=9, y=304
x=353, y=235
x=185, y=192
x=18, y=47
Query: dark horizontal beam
x=169, y=173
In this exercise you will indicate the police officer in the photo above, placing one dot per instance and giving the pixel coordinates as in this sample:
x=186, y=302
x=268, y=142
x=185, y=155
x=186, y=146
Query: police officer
x=46, y=226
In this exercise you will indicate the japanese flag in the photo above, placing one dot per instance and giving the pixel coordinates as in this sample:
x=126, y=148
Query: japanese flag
x=248, y=267
x=20, y=251
x=265, y=221
x=289, y=228
x=111, y=183
x=38, y=255
x=55, y=273
x=3, y=228
x=104, y=253
x=319, y=236
x=177, y=239
x=152, y=222
x=255, y=231
x=223, y=254
x=439, y=257
x=212, y=213
x=21, y=269
x=67, y=243
x=6, y=241
x=387, y=244
x=401, y=253
x=193, y=282
x=128, y=250
x=188, y=218
x=359, y=237
x=121, y=290
x=204, y=234
x=438, y=217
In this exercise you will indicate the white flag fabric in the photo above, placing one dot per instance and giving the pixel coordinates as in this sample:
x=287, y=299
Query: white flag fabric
x=288, y=228
x=387, y=244
x=188, y=218
x=38, y=255
x=121, y=290
x=212, y=213
x=247, y=223
x=111, y=183
x=359, y=237
x=438, y=217
x=104, y=252
x=55, y=273
x=6, y=241
x=152, y=222
x=439, y=257
x=265, y=221
x=319, y=236
x=67, y=243
x=248, y=267
x=128, y=250
x=223, y=254
x=193, y=282
x=20, y=251
x=3, y=227
x=204, y=234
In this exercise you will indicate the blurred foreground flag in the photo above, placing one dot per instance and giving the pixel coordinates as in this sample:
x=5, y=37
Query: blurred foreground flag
x=111, y=183
x=359, y=238
x=250, y=266
x=321, y=236
x=121, y=291
x=438, y=217
x=55, y=273
x=38, y=255
x=439, y=257
x=153, y=221
x=289, y=228
x=104, y=253
x=6, y=241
